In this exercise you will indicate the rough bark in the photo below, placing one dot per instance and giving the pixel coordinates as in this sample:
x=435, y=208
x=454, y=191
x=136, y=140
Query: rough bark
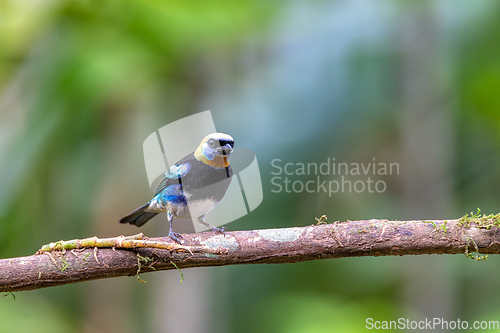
x=286, y=245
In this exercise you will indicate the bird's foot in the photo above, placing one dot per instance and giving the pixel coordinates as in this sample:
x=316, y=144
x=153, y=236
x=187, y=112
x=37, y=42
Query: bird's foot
x=175, y=236
x=220, y=230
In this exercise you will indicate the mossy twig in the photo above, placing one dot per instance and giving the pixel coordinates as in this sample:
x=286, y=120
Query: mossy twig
x=121, y=242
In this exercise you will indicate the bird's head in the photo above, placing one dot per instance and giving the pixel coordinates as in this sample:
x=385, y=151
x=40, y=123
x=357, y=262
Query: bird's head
x=215, y=150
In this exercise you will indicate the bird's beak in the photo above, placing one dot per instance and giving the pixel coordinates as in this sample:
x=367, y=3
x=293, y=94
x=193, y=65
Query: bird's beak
x=226, y=150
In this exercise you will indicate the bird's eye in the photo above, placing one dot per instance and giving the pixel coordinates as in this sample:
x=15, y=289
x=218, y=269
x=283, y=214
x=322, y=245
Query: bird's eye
x=211, y=143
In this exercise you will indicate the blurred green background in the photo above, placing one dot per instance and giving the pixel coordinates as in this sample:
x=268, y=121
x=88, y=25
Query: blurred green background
x=83, y=83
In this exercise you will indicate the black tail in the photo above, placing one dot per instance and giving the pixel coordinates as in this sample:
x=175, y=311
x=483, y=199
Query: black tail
x=139, y=216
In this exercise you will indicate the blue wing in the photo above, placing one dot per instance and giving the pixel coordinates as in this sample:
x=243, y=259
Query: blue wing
x=172, y=176
x=171, y=195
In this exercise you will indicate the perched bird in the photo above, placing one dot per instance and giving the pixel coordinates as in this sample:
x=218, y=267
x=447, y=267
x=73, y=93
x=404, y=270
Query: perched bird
x=191, y=187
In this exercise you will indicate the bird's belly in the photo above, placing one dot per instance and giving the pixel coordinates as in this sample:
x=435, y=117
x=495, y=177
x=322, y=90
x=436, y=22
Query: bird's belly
x=197, y=208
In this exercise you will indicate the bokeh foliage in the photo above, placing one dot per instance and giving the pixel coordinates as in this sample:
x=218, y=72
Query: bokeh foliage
x=82, y=83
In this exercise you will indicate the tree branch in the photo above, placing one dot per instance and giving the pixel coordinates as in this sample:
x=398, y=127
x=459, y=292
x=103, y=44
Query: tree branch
x=53, y=267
